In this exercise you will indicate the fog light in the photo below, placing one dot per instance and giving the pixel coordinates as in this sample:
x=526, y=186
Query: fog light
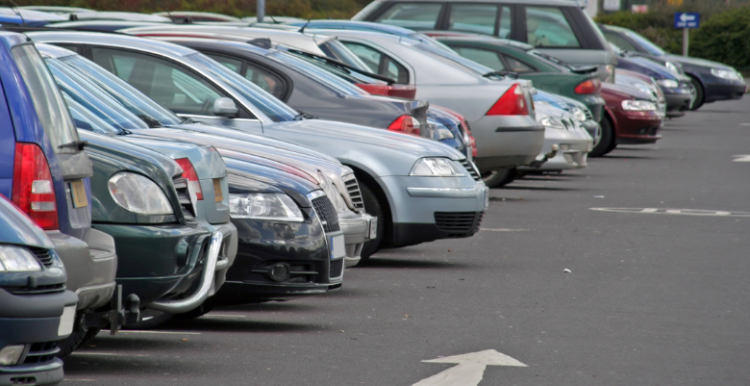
x=643, y=131
x=564, y=146
x=10, y=355
x=279, y=272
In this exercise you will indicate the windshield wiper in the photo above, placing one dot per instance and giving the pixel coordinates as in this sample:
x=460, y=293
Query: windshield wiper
x=302, y=116
x=124, y=132
x=151, y=122
x=78, y=145
x=509, y=74
x=186, y=120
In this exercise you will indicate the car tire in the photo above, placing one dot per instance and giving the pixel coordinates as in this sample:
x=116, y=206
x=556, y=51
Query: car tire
x=607, y=142
x=500, y=177
x=155, y=318
x=373, y=208
x=699, y=94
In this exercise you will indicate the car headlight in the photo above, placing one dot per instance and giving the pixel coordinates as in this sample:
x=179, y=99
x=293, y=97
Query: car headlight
x=17, y=259
x=726, y=74
x=578, y=114
x=264, y=206
x=638, y=105
x=673, y=67
x=138, y=194
x=668, y=83
x=551, y=122
x=436, y=167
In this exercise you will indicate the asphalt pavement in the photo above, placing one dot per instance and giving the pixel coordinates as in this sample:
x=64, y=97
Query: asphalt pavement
x=634, y=271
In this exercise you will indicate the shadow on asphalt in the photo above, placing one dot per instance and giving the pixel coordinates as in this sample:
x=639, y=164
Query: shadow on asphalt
x=380, y=262
x=229, y=325
x=91, y=366
x=540, y=188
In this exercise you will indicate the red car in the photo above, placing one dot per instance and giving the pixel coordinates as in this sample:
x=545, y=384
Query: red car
x=631, y=117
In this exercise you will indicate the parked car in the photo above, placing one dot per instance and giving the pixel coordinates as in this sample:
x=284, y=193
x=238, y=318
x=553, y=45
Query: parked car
x=58, y=10
x=647, y=85
x=631, y=117
x=197, y=17
x=46, y=174
x=150, y=118
x=577, y=109
x=546, y=73
x=713, y=81
x=101, y=25
x=557, y=28
x=386, y=164
x=506, y=132
x=36, y=311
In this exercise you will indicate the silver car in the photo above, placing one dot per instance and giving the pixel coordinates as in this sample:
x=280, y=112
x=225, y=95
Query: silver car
x=420, y=190
x=498, y=110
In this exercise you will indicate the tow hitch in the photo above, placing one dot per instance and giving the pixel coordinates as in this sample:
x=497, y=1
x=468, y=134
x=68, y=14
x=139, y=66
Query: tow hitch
x=551, y=154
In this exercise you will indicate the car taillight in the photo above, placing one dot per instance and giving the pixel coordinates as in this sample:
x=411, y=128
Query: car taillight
x=591, y=86
x=188, y=172
x=405, y=124
x=33, y=189
x=513, y=102
x=395, y=90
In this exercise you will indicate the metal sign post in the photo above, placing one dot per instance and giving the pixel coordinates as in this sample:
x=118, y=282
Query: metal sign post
x=260, y=10
x=686, y=21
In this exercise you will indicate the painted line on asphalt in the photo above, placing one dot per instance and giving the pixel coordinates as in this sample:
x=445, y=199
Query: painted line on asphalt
x=469, y=369
x=155, y=332
x=741, y=158
x=677, y=212
x=223, y=316
x=502, y=230
x=78, y=380
x=110, y=354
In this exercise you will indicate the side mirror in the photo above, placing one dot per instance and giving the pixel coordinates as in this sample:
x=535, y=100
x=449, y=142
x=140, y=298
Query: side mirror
x=225, y=107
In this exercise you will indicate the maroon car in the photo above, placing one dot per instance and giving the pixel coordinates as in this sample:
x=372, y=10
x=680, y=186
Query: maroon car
x=631, y=116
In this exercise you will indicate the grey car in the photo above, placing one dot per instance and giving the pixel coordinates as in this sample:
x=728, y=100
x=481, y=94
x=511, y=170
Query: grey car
x=557, y=28
x=420, y=190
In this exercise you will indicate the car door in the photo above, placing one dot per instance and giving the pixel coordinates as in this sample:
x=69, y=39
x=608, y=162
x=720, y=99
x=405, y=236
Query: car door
x=172, y=85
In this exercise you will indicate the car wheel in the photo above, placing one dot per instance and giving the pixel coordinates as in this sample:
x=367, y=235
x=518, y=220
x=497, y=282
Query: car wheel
x=607, y=141
x=500, y=177
x=149, y=319
x=373, y=208
x=699, y=94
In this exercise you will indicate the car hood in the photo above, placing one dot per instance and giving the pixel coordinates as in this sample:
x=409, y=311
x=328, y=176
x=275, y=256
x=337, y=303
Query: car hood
x=17, y=228
x=696, y=62
x=246, y=176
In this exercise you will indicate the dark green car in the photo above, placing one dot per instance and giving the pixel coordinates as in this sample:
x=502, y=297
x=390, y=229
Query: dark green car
x=546, y=73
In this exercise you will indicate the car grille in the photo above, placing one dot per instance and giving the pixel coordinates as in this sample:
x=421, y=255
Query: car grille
x=589, y=117
x=41, y=353
x=458, y=223
x=327, y=214
x=354, y=193
x=337, y=269
x=43, y=255
x=183, y=195
x=470, y=168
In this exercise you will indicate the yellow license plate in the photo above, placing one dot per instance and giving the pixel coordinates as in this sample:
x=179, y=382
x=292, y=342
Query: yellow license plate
x=78, y=190
x=218, y=196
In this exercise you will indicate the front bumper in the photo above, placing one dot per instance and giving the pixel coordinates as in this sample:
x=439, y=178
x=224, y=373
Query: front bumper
x=37, y=322
x=416, y=201
x=506, y=141
x=678, y=100
x=637, y=127
x=358, y=228
x=302, y=248
x=724, y=90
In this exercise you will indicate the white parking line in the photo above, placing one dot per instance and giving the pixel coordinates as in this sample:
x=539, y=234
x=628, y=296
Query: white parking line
x=741, y=158
x=110, y=354
x=155, y=332
x=502, y=230
x=223, y=316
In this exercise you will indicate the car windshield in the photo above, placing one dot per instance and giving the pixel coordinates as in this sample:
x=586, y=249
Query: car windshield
x=275, y=109
x=48, y=103
x=322, y=76
x=453, y=59
x=93, y=98
x=646, y=44
x=339, y=50
x=86, y=120
x=552, y=61
x=135, y=101
x=348, y=74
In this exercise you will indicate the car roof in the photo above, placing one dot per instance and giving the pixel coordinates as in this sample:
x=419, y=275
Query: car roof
x=563, y=3
x=488, y=39
x=120, y=40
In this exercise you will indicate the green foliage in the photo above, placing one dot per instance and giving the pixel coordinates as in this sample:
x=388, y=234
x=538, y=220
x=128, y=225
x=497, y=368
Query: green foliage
x=725, y=38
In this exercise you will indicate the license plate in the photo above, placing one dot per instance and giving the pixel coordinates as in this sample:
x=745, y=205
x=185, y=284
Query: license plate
x=338, y=249
x=218, y=195
x=66, y=321
x=373, y=228
x=78, y=190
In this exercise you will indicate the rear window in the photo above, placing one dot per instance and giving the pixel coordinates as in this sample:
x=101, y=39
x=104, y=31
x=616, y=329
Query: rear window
x=412, y=15
x=547, y=27
x=48, y=103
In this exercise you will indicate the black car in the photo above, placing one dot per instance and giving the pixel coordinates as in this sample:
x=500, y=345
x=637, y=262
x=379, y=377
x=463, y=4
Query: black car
x=309, y=89
x=712, y=81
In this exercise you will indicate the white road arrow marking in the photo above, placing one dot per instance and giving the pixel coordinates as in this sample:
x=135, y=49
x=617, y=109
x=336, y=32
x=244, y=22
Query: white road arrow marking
x=742, y=158
x=470, y=369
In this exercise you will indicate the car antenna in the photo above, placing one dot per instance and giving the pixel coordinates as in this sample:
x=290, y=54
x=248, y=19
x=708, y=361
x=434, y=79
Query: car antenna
x=302, y=30
x=18, y=11
x=274, y=20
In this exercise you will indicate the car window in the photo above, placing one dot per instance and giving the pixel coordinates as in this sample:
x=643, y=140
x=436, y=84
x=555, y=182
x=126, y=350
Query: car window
x=166, y=83
x=264, y=79
x=646, y=44
x=547, y=27
x=506, y=23
x=412, y=15
x=322, y=76
x=49, y=104
x=380, y=63
x=485, y=57
x=517, y=65
x=475, y=18
x=619, y=41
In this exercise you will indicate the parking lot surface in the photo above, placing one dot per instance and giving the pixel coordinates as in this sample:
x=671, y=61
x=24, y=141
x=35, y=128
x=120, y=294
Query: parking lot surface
x=631, y=272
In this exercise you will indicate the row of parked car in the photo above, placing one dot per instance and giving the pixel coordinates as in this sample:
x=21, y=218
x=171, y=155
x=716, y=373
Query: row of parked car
x=159, y=166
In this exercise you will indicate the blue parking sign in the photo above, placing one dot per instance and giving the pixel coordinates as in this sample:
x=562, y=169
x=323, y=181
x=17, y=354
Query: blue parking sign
x=687, y=20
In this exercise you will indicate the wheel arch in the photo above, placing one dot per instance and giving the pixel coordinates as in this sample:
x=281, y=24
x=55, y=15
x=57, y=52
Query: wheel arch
x=372, y=183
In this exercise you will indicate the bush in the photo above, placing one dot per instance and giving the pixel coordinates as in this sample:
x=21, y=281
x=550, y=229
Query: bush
x=725, y=38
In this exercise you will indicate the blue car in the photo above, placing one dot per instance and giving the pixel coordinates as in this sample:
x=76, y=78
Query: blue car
x=36, y=311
